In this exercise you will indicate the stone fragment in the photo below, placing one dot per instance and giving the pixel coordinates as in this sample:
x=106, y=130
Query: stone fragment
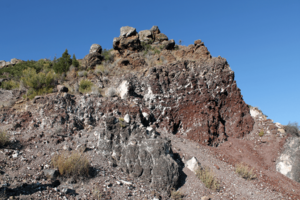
x=127, y=118
x=51, y=173
x=193, y=164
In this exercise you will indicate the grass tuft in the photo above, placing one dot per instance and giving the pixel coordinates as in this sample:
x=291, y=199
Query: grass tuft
x=73, y=164
x=85, y=86
x=4, y=138
x=245, y=172
x=207, y=176
x=176, y=195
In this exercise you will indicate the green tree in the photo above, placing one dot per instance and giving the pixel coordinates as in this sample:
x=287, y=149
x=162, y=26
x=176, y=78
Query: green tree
x=75, y=62
x=63, y=63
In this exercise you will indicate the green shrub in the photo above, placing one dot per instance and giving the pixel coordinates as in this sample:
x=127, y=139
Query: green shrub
x=38, y=83
x=107, y=55
x=245, y=172
x=10, y=85
x=73, y=164
x=15, y=72
x=85, y=86
x=208, y=178
x=261, y=133
x=4, y=138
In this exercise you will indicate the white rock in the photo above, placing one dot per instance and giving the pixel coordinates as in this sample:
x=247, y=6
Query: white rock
x=123, y=89
x=127, y=118
x=193, y=164
x=126, y=182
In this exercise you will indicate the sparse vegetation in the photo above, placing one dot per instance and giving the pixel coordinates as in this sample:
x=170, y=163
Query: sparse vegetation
x=85, y=86
x=293, y=129
x=97, y=194
x=176, y=195
x=261, y=133
x=10, y=85
x=245, y=172
x=4, y=138
x=82, y=73
x=72, y=164
x=207, y=176
x=107, y=55
x=38, y=83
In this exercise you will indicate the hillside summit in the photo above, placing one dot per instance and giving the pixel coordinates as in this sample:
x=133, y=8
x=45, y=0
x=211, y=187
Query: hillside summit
x=147, y=119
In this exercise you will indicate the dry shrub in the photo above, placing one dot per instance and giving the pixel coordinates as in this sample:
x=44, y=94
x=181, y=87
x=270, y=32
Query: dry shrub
x=207, y=176
x=97, y=194
x=245, y=172
x=176, y=195
x=73, y=164
x=4, y=138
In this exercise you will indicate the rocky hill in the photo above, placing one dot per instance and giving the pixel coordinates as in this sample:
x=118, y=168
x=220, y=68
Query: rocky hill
x=148, y=119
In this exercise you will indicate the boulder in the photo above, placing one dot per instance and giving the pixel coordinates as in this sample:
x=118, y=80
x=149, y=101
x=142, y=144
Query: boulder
x=193, y=164
x=91, y=60
x=127, y=31
x=169, y=45
x=138, y=154
x=15, y=61
x=96, y=48
x=130, y=43
x=161, y=37
x=145, y=36
x=155, y=30
x=2, y=63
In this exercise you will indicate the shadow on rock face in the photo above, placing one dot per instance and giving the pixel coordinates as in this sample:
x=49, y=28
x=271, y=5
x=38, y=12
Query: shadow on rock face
x=182, y=175
x=28, y=189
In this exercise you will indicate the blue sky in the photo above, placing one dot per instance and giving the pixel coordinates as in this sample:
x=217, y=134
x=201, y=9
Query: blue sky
x=260, y=39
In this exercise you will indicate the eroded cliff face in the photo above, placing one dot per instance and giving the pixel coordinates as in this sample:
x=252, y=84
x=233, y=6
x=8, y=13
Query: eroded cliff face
x=189, y=93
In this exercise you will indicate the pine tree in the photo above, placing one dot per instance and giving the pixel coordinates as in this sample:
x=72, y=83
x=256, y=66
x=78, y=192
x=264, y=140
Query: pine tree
x=63, y=63
x=75, y=62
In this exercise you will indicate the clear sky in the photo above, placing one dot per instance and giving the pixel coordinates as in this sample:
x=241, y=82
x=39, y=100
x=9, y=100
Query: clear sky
x=259, y=38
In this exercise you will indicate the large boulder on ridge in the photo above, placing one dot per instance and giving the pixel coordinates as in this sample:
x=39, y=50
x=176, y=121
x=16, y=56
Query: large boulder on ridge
x=96, y=48
x=128, y=39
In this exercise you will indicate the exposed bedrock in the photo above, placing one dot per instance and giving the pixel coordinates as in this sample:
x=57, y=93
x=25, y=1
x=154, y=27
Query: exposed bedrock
x=288, y=162
x=139, y=152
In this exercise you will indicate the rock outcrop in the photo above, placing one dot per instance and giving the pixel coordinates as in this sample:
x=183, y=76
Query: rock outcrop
x=12, y=62
x=288, y=162
x=93, y=58
x=139, y=152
